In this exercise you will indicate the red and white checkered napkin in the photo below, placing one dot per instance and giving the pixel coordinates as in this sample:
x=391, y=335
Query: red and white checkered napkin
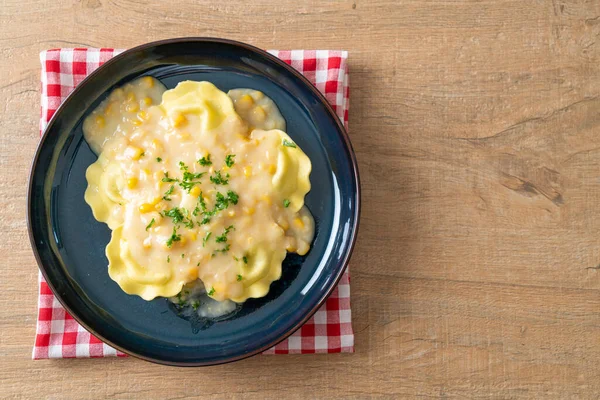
x=60, y=336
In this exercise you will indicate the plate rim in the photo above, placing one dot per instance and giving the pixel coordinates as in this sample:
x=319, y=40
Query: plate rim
x=341, y=130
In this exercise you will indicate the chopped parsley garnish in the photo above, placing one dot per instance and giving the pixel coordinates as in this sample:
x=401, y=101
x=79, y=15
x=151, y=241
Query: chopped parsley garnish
x=229, y=160
x=180, y=301
x=189, y=178
x=206, y=237
x=217, y=179
x=232, y=196
x=211, y=291
x=223, y=238
x=239, y=278
x=245, y=259
x=224, y=249
x=167, y=179
x=205, y=161
x=235, y=258
x=201, y=207
x=286, y=203
x=150, y=224
x=174, y=238
x=168, y=193
x=287, y=143
x=175, y=214
x=143, y=154
x=222, y=201
x=182, y=255
x=158, y=159
x=168, y=259
x=179, y=215
x=195, y=304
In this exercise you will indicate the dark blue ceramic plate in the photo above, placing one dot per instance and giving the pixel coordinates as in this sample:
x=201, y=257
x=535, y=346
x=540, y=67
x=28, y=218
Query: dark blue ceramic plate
x=69, y=243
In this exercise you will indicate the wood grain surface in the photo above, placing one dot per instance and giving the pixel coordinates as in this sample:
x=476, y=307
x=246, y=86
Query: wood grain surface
x=477, y=129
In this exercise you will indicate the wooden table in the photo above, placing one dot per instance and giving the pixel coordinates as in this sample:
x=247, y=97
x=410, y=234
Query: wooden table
x=477, y=129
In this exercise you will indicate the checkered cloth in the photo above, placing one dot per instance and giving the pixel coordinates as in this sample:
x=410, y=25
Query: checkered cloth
x=60, y=336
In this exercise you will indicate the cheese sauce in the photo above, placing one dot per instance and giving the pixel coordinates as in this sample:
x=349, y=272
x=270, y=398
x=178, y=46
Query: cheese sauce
x=196, y=186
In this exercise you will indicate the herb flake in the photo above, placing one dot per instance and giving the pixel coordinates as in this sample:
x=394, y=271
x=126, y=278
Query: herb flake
x=150, y=224
x=174, y=238
x=229, y=160
x=287, y=143
x=205, y=161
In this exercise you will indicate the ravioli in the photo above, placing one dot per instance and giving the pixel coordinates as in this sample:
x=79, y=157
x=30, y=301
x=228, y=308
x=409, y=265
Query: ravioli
x=196, y=188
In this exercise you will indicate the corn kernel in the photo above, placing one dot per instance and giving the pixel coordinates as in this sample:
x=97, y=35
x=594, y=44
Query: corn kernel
x=193, y=272
x=132, y=182
x=147, y=101
x=247, y=171
x=130, y=97
x=149, y=81
x=245, y=101
x=231, y=213
x=298, y=222
x=249, y=210
x=258, y=95
x=195, y=191
x=133, y=153
x=143, y=115
x=290, y=248
x=183, y=135
x=267, y=199
x=272, y=169
x=132, y=107
x=182, y=241
x=178, y=120
x=193, y=236
x=156, y=145
x=100, y=121
x=145, y=171
x=136, y=122
x=146, y=208
x=147, y=243
x=109, y=108
x=155, y=201
x=250, y=240
x=258, y=114
x=118, y=92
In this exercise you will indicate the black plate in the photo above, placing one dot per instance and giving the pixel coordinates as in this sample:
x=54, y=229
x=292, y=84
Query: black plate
x=69, y=243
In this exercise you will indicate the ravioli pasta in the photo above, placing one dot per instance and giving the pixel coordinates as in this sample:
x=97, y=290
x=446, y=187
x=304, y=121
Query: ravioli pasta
x=197, y=186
